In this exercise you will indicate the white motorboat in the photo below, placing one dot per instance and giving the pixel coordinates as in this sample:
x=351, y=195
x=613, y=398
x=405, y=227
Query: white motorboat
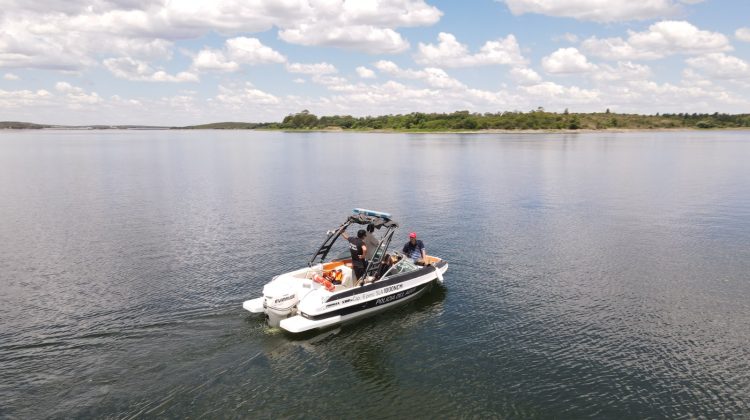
x=323, y=294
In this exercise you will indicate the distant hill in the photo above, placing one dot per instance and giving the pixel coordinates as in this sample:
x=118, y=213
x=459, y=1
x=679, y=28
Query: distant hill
x=116, y=127
x=17, y=125
x=225, y=126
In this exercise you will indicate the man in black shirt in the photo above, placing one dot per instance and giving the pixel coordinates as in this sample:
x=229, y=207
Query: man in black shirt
x=358, y=250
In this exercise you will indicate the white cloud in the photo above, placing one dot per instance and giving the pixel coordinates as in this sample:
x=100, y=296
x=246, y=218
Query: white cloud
x=246, y=102
x=525, y=76
x=311, y=69
x=45, y=107
x=693, y=94
x=402, y=13
x=388, y=94
x=321, y=72
x=599, y=10
x=365, y=73
x=395, y=97
x=10, y=76
x=16, y=99
x=76, y=34
x=438, y=78
x=625, y=71
x=674, y=97
x=209, y=59
x=330, y=81
x=135, y=40
x=181, y=109
x=680, y=36
x=56, y=41
x=434, y=77
x=135, y=70
x=76, y=96
x=567, y=60
x=721, y=66
x=64, y=87
x=442, y=94
x=252, y=51
x=365, y=38
x=245, y=95
x=618, y=49
x=693, y=78
x=624, y=94
x=180, y=103
x=236, y=52
x=660, y=40
x=450, y=53
x=162, y=76
x=21, y=49
x=358, y=25
x=570, y=61
x=743, y=34
x=567, y=37
x=388, y=67
x=550, y=92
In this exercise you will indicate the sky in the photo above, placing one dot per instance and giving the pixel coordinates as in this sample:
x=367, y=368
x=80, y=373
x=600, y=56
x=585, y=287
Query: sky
x=187, y=62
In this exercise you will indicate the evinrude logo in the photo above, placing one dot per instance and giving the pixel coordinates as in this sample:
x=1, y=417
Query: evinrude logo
x=284, y=299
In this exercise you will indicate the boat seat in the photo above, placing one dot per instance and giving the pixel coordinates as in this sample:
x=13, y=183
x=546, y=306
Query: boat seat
x=336, y=264
x=431, y=260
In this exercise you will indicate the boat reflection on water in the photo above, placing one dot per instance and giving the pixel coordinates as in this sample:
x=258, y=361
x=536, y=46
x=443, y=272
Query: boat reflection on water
x=410, y=314
x=360, y=343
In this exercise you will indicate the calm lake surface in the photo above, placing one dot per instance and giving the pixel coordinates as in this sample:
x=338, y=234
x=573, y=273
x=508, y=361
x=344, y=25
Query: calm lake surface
x=601, y=275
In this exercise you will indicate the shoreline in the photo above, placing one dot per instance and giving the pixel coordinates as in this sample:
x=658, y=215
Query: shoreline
x=374, y=131
x=387, y=131
x=503, y=131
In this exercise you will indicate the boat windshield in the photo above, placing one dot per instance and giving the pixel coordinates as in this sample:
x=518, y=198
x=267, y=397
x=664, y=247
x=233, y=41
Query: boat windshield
x=404, y=266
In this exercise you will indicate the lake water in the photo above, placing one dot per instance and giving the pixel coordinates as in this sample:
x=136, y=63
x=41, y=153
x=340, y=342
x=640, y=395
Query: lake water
x=601, y=275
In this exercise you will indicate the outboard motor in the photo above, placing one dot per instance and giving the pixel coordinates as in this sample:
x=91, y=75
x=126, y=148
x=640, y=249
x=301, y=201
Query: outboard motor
x=280, y=301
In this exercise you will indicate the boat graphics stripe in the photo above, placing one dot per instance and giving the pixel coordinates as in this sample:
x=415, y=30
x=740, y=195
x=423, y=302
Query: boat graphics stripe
x=369, y=304
x=387, y=282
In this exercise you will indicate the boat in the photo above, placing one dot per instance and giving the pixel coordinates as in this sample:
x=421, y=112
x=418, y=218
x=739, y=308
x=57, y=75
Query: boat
x=323, y=294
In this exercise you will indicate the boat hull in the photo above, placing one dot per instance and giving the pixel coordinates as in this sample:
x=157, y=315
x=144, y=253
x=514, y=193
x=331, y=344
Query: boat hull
x=318, y=308
x=300, y=323
x=365, y=301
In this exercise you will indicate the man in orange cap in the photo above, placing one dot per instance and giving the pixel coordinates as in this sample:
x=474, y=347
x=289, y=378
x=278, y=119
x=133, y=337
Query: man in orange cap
x=414, y=249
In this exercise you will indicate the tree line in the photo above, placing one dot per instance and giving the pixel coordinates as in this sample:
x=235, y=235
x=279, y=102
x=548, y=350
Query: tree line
x=538, y=119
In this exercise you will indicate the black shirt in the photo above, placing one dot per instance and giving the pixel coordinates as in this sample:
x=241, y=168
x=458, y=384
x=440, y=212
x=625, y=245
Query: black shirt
x=355, y=247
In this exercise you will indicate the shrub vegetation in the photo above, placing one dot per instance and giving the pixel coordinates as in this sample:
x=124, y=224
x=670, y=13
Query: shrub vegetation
x=538, y=119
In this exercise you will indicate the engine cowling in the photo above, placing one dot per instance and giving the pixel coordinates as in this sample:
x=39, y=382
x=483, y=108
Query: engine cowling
x=280, y=300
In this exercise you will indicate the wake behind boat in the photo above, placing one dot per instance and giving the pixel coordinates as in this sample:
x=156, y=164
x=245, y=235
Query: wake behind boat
x=324, y=294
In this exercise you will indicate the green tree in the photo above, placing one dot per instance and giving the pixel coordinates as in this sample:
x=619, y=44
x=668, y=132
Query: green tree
x=574, y=123
x=300, y=120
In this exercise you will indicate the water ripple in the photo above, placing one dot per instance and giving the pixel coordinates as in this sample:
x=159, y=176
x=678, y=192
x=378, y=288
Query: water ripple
x=592, y=275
